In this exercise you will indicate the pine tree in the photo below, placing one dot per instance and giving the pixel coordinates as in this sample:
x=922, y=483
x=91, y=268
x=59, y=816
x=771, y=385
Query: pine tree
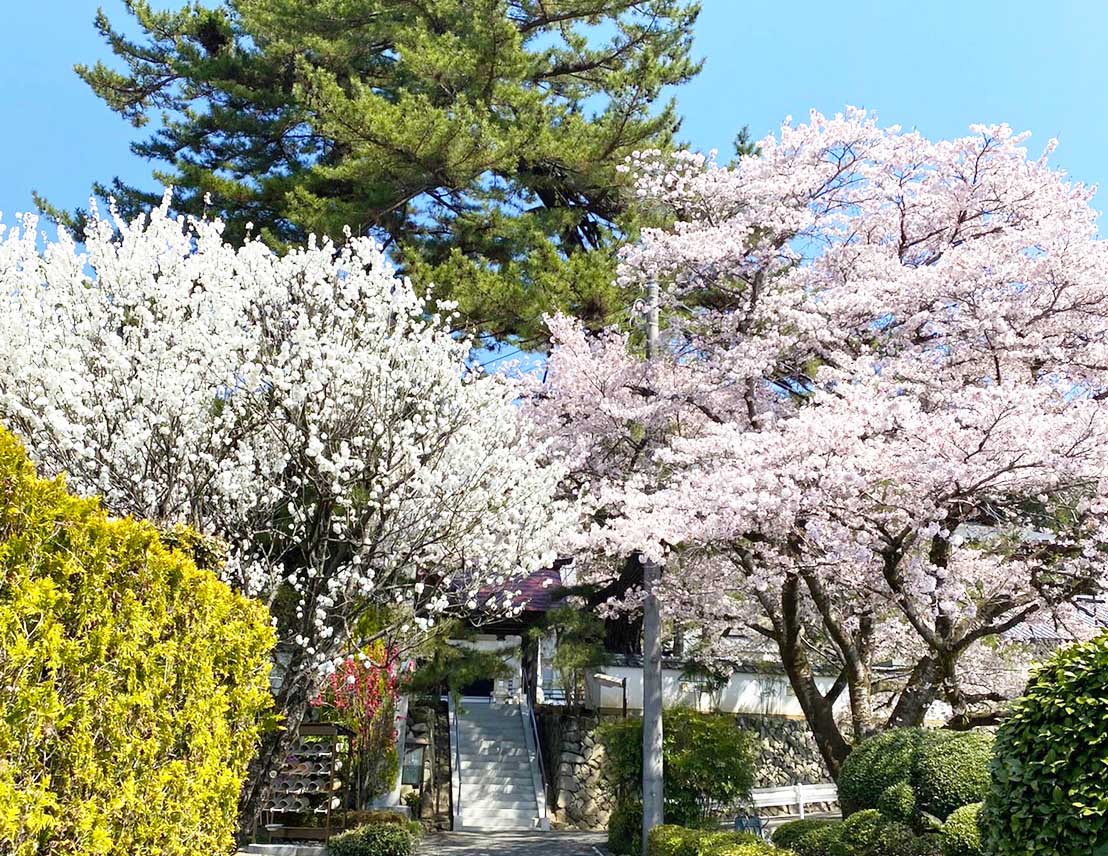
x=477, y=139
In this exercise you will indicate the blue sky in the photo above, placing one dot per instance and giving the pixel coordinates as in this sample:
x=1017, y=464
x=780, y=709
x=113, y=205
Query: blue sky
x=936, y=65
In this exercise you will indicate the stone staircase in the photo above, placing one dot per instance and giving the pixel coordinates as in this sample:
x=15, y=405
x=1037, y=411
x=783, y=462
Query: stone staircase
x=497, y=784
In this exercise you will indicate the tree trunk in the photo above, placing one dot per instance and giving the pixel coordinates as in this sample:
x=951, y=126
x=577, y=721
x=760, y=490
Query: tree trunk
x=861, y=703
x=820, y=717
x=292, y=703
x=653, y=809
x=819, y=711
x=918, y=695
x=622, y=631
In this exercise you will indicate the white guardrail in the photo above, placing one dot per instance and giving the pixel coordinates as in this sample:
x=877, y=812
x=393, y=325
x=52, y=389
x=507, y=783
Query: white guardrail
x=798, y=795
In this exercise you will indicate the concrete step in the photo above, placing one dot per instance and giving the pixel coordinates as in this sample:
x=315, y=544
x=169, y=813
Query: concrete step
x=498, y=827
x=494, y=810
x=481, y=762
x=471, y=800
x=493, y=750
x=494, y=768
x=475, y=808
x=521, y=780
x=501, y=714
x=477, y=811
x=491, y=734
x=519, y=786
x=468, y=736
x=511, y=762
x=526, y=817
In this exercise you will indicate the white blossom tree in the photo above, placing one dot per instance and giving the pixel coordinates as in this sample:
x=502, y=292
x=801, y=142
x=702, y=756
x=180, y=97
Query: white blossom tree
x=307, y=410
x=878, y=438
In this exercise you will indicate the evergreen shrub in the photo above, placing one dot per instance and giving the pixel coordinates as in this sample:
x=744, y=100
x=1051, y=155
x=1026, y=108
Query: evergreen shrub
x=133, y=685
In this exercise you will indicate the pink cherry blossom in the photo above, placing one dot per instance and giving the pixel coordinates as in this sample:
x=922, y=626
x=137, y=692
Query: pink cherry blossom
x=877, y=439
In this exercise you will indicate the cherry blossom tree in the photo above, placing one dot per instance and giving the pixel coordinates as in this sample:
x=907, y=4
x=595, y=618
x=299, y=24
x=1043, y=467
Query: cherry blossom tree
x=306, y=410
x=878, y=438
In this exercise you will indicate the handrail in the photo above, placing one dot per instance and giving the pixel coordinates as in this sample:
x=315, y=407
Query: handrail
x=456, y=767
x=538, y=778
x=538, y=752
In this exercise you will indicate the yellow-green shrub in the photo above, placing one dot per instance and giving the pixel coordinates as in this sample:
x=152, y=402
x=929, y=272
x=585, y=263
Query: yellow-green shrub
x=131, y=683
x=671, y=840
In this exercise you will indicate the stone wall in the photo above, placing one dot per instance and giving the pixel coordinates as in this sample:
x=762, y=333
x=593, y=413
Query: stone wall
x=787, y=752
x=428, y=720
x=572, y=757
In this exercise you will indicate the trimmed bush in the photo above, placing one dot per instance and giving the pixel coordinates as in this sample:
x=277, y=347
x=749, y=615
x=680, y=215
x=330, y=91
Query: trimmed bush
x=625, y=828
x=737, y=843
x=953, y=771
x=1049, y=790
x=671, y=840
x=898, y=802
x=745, y=848
x=893, y=838
x=823, y=841
x=865, y=833
x=884, y=760
x=862, y=829
x=944, y=769
x=373, y=839
x=961, y=834
x=788, y=834
x=132, y=683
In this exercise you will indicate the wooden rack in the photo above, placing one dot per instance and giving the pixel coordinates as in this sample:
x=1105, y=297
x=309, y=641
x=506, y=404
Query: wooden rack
x=311, y=784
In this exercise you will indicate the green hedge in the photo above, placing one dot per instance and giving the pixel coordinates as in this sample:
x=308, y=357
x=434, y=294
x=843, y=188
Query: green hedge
x=788, y=834
x=709, y=763
x=820, y=841
x=1049, y=791
x=670, y=840
x=865, y=833
x=625, y=828
x=132, y=684
x=944, y=770
x=898, y=802
x=953, y=771
x=377, y=815
x=961, y=832
x=374, y=839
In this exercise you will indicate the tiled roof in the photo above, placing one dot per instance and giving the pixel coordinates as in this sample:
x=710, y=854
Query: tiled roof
x=1092, y=611
x=538, y=592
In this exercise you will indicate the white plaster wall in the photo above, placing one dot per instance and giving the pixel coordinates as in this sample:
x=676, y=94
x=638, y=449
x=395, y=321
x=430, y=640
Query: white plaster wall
x=745, y=692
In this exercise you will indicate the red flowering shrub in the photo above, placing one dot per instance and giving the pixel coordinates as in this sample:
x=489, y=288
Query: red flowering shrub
x=361, y=695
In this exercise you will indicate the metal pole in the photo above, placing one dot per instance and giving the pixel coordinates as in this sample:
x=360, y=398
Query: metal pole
x=652, y=793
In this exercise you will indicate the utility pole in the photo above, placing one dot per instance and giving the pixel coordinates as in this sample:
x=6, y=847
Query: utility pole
x=652, y=793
